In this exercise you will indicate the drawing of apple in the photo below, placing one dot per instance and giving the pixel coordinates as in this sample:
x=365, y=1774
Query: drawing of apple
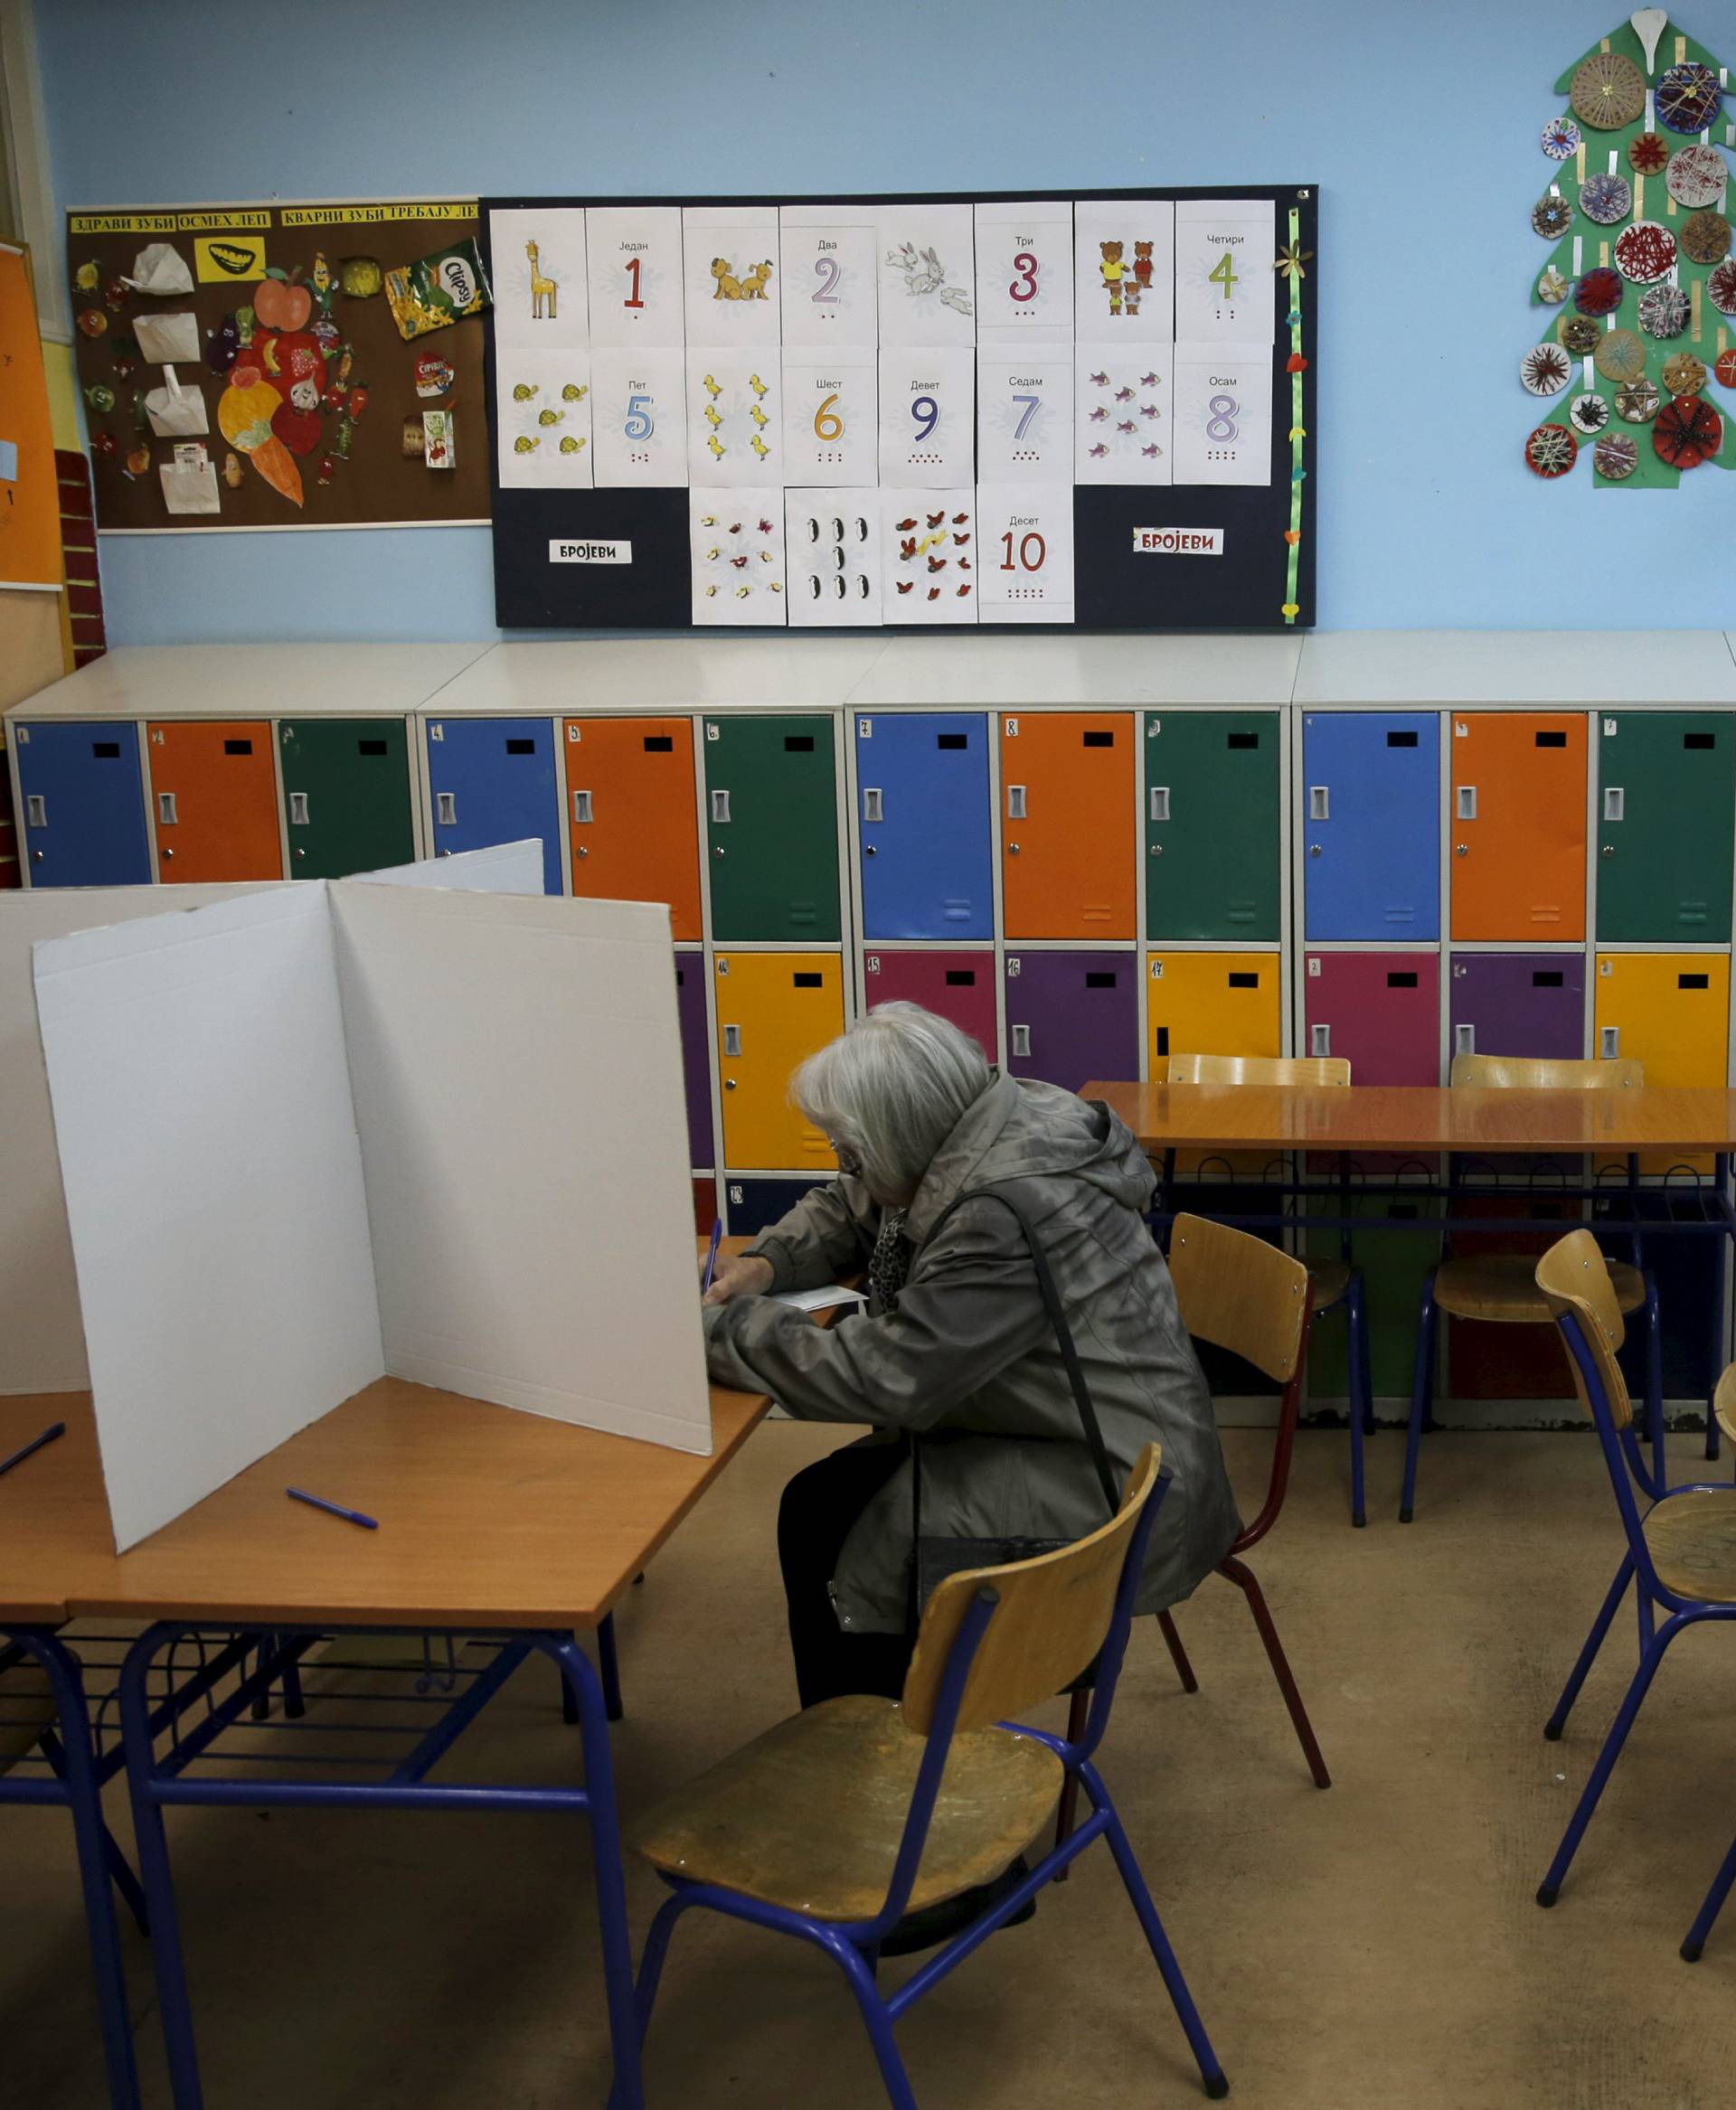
x=280, y=303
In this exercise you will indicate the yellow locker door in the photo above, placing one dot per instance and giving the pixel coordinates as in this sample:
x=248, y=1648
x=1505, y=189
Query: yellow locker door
x=1671, y=1012
x=773, y=1009
x=1211, y=1003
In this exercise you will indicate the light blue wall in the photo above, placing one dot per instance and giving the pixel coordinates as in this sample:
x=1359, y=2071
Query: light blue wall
x=1420, y=126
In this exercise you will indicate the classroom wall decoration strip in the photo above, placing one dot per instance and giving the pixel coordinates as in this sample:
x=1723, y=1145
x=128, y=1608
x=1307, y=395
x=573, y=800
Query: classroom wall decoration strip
x=1640, y=278
x=857, y=413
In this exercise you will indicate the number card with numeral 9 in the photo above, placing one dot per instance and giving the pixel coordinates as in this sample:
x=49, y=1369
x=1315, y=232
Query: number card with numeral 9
x=1024, y=273
x=926, y=423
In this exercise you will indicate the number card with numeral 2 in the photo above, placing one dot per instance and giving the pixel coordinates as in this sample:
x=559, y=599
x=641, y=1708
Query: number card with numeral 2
x=988, y=410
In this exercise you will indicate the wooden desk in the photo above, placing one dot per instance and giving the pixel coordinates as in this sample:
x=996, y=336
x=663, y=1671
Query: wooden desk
x=53, y=1513
x=1420, y=1118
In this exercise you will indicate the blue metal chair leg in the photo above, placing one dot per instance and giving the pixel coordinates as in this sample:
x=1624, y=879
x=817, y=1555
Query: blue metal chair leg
x=1549, y=1889
x=645, y=1994
x=1587, y=1655
x=1361, y=1404
x=879, y=2023
x=120, y=1869
x=1655, y=1383
x=179, y=2043
x=1708, y=1911
x=1421, y=1387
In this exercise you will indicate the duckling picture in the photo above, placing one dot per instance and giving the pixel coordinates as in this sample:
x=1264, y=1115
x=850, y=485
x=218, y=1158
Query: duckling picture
x=760, y=446
x=759, y=417
x=713, y=418
x=756, y=384
x=712, y=389
x=717, y=447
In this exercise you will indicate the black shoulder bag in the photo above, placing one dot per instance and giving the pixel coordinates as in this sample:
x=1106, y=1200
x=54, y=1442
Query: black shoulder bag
x=935, y=1558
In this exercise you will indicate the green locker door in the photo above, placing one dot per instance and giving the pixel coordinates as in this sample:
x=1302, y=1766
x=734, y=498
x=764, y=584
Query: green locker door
x=346, y=794
x=1212, y=826
x=1667, y=802
x=771, y=818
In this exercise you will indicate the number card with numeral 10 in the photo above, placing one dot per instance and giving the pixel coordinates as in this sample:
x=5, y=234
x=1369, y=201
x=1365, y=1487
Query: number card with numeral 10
x=1089, y=408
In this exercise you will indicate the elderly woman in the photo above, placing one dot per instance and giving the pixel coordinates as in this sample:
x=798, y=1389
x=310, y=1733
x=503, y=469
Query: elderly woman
x=955, y=1347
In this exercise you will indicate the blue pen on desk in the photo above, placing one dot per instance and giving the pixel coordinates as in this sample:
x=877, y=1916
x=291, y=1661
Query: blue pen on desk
x=334, y=1509
x=47, y=1437
x=710, y=1257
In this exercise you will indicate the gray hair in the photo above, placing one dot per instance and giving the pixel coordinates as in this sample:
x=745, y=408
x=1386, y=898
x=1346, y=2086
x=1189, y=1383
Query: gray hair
x=890, y=1091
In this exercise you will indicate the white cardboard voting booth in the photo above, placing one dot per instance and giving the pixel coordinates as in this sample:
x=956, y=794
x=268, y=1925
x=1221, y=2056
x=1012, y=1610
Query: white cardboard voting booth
x=312, y=1136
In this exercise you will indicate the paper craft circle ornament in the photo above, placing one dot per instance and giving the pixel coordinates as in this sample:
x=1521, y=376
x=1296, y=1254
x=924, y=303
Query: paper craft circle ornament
x=1648, y=153
x=1579, y=335
x=1645, y=251
x=1705, y=238
x=1561, y=138
x=1551, y=287
x=1599, y=292
x=1551, y=216
x=1545, y=370
x=1725, y=369
x=1552, y=450
x=1696, y=175
x=1606, y=199
x=1687, y=97
x=1607, y=92
x=1616, y=459
x=1720, y=287
x=1684, y=375
x=1688, y=432
x=1636, y=402
x=1589, y=414
x=1664, y=311
x=1621, y=356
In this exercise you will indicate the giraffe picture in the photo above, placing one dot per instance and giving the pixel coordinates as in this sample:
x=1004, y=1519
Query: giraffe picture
x=544, y=292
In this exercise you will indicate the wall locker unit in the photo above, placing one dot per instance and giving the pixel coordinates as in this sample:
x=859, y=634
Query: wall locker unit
x=772, y=829
x=631, y=815
x=773, y=1010
x=1382, y=1010
x=214, y=800
x=756, y=1204
x=1213, y=826
x=705, y=1206
x=1517, y=823
x=492, y=780
x=346, y=795
x=82, y=800
x=956, y=985
x=1068, y=840
x=1666, y=794
x=1516, y=1004
x=1670, y=1011
x=1072, y=1016
x=924, y=825
x=1211, y=1003
x=695, y=1054
x=1371, y=826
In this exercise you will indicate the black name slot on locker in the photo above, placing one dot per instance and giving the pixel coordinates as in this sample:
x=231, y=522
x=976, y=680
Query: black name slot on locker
x=1096, y=739
x=961, y=977
x=1241, y=740
x=520, y=747
x=808, y=981
x=106, y=750
x=1550, y=740
x=371, y=746
x=1699, y=739
x=1100, y=981
x=238, y=746
x=1693, y=982
x=798, y=743
x=1401, y=740
x=659, y=743
x=1547, y=979
x=952, y=740
x=1401, y=981
x=1163, y=1039
x=1244, y=981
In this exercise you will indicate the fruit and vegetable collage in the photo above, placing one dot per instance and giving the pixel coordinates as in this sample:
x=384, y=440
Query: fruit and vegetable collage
x=282, y=365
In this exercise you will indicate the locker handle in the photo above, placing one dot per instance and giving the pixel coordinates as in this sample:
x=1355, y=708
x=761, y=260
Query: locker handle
x=873, y=805
x=720, y=805
x=165, y=811
x=1466, y=808
x=1615, y=800
x=1320, y=1039
x=1022, y=1039
x=1608, y=1041
x=1015, y=802
x=581, y=808
x=1160, y=801
x=1465, y=1039
x=298, y=809
x=1319, y=801
x=446, y=809
x=732, y=1039
x=36, y=811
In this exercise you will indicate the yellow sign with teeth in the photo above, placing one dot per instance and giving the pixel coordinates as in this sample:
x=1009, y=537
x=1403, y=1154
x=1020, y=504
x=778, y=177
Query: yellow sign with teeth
x=224, y=259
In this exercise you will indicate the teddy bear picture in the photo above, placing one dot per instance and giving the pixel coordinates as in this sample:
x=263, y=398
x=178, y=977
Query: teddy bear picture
x=1124, y=283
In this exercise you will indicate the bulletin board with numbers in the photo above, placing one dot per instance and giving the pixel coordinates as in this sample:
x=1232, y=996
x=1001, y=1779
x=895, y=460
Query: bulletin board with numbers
x=848, y=413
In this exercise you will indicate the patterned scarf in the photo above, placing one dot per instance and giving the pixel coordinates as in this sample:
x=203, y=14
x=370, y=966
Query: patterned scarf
x=889, y=1262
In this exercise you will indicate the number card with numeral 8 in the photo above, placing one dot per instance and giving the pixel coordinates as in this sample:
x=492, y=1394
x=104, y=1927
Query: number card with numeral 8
x=1092, y=410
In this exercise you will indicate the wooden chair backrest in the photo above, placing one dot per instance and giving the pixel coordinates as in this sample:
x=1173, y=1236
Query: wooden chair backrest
x=1259, y=1070
x=1545, y=1074
x=1240, y=1293
x=1573, y=1278
x=1053, y=1616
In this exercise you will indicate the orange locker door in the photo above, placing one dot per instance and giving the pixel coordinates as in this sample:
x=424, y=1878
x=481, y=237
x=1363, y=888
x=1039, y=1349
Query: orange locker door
x=214, y=801
x=1069, y=830
x=773, y=1011
x=631, y=813
x=1518, y=824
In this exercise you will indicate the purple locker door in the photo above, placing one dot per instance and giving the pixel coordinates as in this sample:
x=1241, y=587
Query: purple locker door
x=956, y=985
x=1382, y=1010
x=1517, y=1003
x=695, y=1054
x=1072, y=1016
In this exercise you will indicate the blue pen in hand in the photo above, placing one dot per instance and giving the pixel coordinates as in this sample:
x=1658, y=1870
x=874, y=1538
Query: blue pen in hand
x=48, y=1435
x=710, y=1257
x=350, y=1516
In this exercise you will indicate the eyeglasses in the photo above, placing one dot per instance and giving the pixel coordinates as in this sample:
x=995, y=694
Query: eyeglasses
x=849, y=1163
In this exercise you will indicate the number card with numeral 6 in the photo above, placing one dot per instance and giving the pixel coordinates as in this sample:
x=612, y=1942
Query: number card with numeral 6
x=959, y=411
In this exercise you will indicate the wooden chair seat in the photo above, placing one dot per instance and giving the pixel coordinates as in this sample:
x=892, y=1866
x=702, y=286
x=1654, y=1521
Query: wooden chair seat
x=1693, y=1541
x=1724, y=1402
x=810, y=1816
x=1502, y=1288
x=1328, y=1279
x=26, y=1710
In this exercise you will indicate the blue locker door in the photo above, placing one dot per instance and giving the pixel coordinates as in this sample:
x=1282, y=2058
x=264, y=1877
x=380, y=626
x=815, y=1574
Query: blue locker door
x=492, y=780
x=922, y=807
x=84, y=805
x=1371, y=819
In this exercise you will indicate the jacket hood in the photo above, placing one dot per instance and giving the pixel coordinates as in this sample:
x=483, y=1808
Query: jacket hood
x=1019, y=1129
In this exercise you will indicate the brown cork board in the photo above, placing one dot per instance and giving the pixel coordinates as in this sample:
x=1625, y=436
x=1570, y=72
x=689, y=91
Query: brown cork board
x=227, y=250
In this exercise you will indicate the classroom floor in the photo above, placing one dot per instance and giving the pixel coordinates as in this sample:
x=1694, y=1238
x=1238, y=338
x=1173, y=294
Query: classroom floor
x=1375, y=1945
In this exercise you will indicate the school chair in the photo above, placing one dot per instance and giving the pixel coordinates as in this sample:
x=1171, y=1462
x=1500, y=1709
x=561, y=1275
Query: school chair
x=834, y=1824
x=1681, y=1546
x=1500, y=1289
x=1723, y=1407
x=1332, y=1282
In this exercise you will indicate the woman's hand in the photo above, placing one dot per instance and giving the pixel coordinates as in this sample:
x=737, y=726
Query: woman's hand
x=738, y=1275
